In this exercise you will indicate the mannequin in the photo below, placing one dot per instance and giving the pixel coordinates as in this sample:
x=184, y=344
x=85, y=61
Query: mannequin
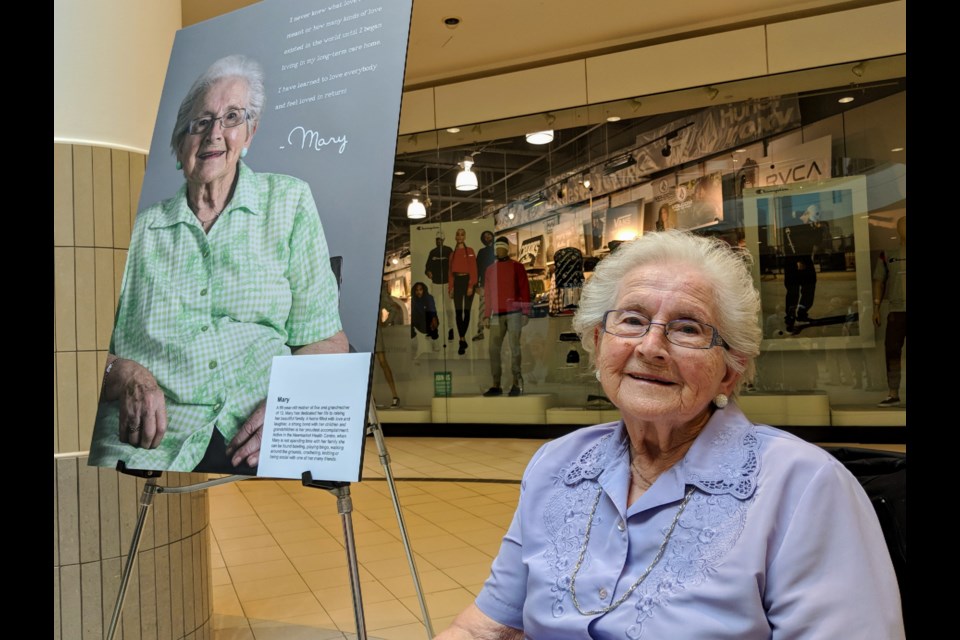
x=890, y=284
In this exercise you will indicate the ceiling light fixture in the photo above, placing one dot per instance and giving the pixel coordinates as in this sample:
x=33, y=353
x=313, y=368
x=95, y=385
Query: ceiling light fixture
x=540, y=137
x=613, y=118
x=453, y=129
x=535, y=200
x=618, y=163
x=416, y=210
x=467, y=179
x=846, y=100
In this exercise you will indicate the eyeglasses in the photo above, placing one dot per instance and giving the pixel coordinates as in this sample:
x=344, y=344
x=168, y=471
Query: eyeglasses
x=683, y=333
x=232, y=118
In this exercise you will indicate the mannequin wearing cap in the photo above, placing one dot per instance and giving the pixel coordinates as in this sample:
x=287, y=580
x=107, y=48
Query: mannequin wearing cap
x=437, y=271
x=801, y=244
x=506, y=311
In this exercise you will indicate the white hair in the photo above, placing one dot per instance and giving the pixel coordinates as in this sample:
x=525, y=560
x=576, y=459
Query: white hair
x=235, y=66
x=736, y=301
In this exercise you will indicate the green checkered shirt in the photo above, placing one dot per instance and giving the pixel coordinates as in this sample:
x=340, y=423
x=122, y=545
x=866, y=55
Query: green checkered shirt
x=207, y=313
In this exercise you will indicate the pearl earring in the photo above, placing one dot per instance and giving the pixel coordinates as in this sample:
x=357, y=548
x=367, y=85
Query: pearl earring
x=243, y=152
x=721, y=400
x=179, y=165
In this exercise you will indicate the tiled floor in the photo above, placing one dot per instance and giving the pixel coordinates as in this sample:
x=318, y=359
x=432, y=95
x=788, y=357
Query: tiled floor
x=279, y=561
x=280, y=565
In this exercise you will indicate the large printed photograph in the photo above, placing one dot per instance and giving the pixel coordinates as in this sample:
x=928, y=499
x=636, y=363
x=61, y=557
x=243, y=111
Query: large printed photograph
x=812, y=263
x=272, y=149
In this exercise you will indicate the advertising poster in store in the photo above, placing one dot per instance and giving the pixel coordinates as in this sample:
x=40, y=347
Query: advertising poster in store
x=812, y=263
x=692, y=204
x=451, y=288
x=260, y=234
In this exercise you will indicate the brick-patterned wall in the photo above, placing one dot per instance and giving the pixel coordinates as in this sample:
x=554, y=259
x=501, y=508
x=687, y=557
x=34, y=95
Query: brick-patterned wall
x=95, y=511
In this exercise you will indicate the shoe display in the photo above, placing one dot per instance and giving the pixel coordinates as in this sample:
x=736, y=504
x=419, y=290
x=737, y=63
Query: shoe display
x=395, y=403
x=514, y=391
x=889, y=401
x=479, y=336
x=463, y=347
x=493, y=391
x=450, y=334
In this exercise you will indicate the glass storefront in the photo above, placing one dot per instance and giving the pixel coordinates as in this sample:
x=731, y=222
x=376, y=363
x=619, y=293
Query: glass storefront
x=812, y=182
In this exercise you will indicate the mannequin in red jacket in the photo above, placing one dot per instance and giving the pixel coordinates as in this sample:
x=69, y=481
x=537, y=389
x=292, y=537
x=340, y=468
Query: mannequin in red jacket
x=506, y=311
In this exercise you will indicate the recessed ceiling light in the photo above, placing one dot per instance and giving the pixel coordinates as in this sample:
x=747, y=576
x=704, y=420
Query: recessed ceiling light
x=740, y=151
x=453, y=130
x=896, y=149
x=613, y=118
x=845, y=99
x=399, y=172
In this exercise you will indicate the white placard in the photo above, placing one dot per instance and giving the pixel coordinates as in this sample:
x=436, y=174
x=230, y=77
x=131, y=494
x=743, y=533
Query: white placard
x=316, y=410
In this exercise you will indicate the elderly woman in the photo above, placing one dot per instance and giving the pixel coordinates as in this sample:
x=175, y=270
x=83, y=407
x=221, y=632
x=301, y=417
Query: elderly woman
x=684, y=519
x=228, y=273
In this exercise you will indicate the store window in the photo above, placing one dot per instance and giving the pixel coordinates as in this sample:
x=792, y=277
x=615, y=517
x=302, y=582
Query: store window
x=811, y=184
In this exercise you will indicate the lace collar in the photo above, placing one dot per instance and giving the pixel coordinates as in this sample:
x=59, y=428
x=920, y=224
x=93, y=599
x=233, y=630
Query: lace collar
x=724, y=459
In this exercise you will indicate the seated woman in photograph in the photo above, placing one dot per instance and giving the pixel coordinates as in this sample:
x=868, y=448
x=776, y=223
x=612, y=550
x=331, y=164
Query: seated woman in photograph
x=423, y=313
x=683, y=519
x=220, y=278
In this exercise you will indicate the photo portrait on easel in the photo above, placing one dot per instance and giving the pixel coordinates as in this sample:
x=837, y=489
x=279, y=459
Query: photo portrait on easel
x=243, y=250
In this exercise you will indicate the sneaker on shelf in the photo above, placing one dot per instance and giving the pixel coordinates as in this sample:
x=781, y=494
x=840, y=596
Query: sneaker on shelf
x=514, y=391
x=493, y=391
x=450, y=334
x=889, y=401
x=395, y=403
x=463, y=347
x=479, y=336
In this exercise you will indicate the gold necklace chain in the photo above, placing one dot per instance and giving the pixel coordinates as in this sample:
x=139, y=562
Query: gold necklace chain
x=656, y=560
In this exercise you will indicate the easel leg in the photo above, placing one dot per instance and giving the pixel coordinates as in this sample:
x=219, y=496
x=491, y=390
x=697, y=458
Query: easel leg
x=146, y=500
x=374, y=428
x=345, y=509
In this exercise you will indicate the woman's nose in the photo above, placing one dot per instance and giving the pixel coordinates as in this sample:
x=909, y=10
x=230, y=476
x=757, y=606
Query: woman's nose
x=654, y=343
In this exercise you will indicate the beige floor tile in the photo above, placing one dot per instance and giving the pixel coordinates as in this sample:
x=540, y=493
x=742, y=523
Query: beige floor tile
x=395, y=567
x=219, y=576
x=224, y=621
x=301, y=522
x=224, y=533
x=311, y=547
x=380, y=552
x=438, y=543
x=249, y=542
x=450, y=558
x=309, y=627
x=324, y=560
x=376, y=616
x=311, y=533
x=471, y=576
x=262, y=570
x=233, y=633
x=441, y=603
x=283, y=607
x=270, y=587
x=403, y=632
x=430, y=581
x=251, y=556
x=482, y=535
x=225, y=600
x=324, y=578
x=228, y=522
